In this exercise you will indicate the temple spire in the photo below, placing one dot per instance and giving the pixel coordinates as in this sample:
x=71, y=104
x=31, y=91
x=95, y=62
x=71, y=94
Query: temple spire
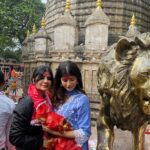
x=67, y=6
x=133, y=20
x=28, y=33
x=99, y=4
x=43, y=23
x=34, y=29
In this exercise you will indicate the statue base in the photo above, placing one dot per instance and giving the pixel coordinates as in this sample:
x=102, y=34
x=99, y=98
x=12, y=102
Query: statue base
x=123, y=139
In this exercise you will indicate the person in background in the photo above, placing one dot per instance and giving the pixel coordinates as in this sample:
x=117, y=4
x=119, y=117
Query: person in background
x=26, y=131
x=12, y=72
x=6, y=88
x=14, y=88
x=72, y=103
x=6, y=110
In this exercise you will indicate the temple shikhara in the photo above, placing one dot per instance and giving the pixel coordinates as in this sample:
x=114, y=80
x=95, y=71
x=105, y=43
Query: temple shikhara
x=83, y=31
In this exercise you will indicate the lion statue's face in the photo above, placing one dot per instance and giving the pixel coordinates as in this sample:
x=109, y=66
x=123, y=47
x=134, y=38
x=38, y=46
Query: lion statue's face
x=140, y=76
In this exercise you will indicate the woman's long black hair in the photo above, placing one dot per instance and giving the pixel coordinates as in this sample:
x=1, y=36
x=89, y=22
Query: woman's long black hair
x=39, y=71
x=66, y=68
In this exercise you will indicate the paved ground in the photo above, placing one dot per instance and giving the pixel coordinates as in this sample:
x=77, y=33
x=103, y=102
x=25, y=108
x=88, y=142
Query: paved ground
x=123, y=140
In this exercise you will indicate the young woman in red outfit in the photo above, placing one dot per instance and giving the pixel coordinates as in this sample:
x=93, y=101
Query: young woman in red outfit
x=26, y=131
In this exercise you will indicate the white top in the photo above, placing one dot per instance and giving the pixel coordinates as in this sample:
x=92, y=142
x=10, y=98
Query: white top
x=6, y=109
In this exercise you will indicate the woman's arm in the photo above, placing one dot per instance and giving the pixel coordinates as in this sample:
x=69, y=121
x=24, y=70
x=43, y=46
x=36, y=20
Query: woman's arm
x=83, y=132
x=66, y=134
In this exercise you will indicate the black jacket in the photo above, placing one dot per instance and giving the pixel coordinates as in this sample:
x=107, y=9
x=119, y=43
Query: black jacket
x=22, y=134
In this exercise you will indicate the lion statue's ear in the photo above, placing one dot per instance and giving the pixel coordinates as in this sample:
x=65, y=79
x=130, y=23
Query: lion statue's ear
x=122, y=48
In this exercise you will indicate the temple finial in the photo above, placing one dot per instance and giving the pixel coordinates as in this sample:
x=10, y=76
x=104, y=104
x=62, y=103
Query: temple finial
x=43, y=23
x=67, y=6
x=133, y=20
x=28, y=33
x=34, y=29
x=99, y=4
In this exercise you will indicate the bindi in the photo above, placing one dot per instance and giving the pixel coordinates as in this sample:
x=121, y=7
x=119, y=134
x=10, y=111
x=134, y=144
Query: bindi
x=46, y=74
x=68, y=77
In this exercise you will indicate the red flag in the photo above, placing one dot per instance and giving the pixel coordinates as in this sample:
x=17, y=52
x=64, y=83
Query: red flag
x=13, y=73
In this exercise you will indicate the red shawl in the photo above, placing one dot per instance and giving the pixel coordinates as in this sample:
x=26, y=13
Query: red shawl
x=41, y=105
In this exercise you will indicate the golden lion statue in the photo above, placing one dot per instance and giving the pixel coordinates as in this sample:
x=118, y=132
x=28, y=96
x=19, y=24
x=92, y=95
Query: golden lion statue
x=124, y=87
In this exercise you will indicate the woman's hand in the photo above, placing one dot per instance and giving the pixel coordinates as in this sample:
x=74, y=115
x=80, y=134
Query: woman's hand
x=45, y=143
x=46, y=129
x=66, y=134
x=49, y=143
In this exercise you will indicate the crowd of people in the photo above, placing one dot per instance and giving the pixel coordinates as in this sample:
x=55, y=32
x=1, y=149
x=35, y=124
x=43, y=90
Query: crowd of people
x=13, y=87
x=54, y=114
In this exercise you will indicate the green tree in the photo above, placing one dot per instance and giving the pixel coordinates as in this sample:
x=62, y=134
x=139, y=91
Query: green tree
x=12, y=54
x=16, y=17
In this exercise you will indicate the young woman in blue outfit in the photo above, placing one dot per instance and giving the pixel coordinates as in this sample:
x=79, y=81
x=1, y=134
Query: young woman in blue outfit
x=72, y=103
